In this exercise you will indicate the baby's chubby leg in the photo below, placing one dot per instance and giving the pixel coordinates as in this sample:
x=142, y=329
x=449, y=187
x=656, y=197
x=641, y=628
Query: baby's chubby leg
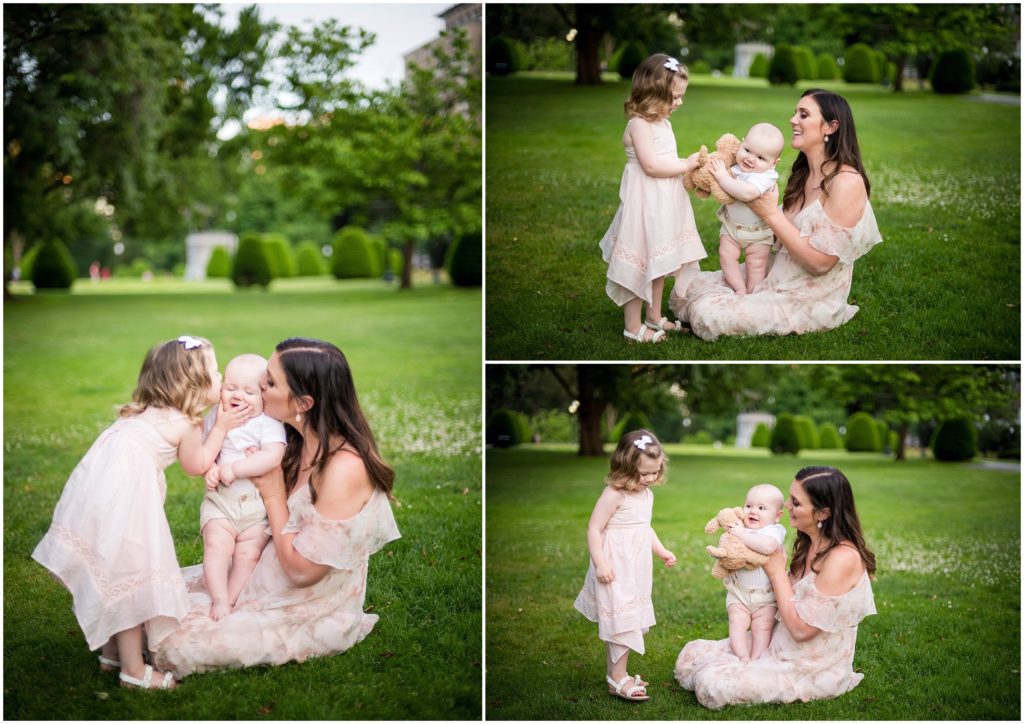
x=757, y=264
x=248, y=546
x=739, y=622
x=729, y=257
x=762, y=622
x=218, y=547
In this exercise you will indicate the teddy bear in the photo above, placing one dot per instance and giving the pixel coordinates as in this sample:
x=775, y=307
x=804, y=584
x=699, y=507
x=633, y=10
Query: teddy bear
x=701, y=177
x=730, y=554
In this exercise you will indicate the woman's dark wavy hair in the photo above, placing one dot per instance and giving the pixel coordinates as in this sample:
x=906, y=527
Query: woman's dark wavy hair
x=319, y=369
x=842, y=149
x=828, y=488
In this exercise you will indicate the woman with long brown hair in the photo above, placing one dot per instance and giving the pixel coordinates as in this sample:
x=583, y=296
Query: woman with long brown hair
x=821, y=600
x=328, y=510
x=824, y=225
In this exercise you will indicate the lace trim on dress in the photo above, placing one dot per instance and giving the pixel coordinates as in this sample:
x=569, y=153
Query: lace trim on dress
x=669, y=247
x=112, y=592
x=640, y=602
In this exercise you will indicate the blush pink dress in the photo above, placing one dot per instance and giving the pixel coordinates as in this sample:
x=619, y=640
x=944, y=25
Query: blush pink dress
x=790, y=300
x=110, y=543
x=274, y=621
x=622, y=609
x=819, y=668
x=653, y=233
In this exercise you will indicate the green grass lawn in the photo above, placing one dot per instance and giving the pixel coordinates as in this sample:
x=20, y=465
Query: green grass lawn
x=69, y=360
x=945, y=643
x=945, y=177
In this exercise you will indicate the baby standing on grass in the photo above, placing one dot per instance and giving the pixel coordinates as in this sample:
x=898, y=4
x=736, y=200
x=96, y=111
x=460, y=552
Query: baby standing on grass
x=617, y=590
x=232, y=518
x=742, y=229
x=110, y=543
x=653, y=233
x=750, y=600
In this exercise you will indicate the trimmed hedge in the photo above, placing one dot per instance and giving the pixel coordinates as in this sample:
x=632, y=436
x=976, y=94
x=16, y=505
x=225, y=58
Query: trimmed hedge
x=860, y=66
x=955, y=440
x=506, y=428
x=632, y=55
x=759, y=66
x=53, y=266
x=309, y=259
x=828, y=435
x=783, y=68
x=806, y=66
x=883, y=434
x=503, y=56
x=700, y=67
x=280, y=254
x=354, y=256
x=862, y=433
x=251, y=267
x=465, y=260
x=219, y=266
x=828, y=69
x=785, y=437
x=952, y=72
x=630, y=421
x=808, y=432
x=762, y=436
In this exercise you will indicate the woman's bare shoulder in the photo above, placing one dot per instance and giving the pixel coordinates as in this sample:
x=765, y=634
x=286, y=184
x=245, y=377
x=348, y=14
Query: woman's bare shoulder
x=344, y=486
x=840, y=571
x=846, y=198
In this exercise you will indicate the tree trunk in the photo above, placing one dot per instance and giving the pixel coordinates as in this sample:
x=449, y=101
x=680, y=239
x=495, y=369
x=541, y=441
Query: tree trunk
x=901, y=64
x=901, y=447
x=592, y=404
x=407, y=251
x=589, y=32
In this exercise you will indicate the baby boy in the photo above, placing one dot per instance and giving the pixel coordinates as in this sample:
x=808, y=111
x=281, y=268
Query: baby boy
x=750, y=600
x=742, y=229
x=232, y=517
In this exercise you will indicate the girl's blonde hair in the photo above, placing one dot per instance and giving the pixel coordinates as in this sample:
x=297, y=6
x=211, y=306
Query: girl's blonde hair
x=650, y=97
x=174, y=375
x=625, y=464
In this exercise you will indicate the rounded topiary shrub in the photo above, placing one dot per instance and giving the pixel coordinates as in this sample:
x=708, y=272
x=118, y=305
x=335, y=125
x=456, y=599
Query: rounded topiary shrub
x=954, y=440
x=860, y=64
x=28, y=260
x=785, y=438
x=502, y=56
x=702, y=437
x=759, y=66
x=861, y=433
x=280, y=254
x=700, y=67
x=219, y=266
x=309, y=260
x=828, y=437
x=808, y=432
x=806, y=66
x=952, y=72
x=828, y=69
x=883, y=434
x=629, y=421
x=782, y=69
x=53, y=267
x=354, y=256
x=397, y=260
x=762, y=436
x=465, y=260
x=506, y=428
x=251, y=267
x=632, y=55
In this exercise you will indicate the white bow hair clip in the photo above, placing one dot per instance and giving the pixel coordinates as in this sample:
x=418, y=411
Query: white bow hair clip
x=190, y=342
x=643, y=441
x=672, y=64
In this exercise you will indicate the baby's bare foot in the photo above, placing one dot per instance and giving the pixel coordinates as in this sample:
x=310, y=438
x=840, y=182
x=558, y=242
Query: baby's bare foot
x=219, y=610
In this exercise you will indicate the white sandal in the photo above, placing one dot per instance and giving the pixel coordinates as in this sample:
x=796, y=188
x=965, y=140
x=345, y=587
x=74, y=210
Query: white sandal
x=660, y=326
x=143, y=683
x=616, y=689
x=640, y=336
x=113, y=665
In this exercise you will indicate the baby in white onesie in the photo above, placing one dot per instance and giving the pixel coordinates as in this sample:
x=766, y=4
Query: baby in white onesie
x=750, y=600
x=742, y=229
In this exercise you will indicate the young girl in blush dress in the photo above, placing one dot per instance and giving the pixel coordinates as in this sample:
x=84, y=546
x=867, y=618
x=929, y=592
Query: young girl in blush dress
x=110, y=543
x=617, y=590
x=653, y=233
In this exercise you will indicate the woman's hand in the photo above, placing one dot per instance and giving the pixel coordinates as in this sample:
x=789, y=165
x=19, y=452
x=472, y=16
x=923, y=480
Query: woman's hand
x=767, y=203
x=776, y=563
x=271, y=484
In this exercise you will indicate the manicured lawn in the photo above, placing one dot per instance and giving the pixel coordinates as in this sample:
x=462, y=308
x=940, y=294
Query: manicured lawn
x=944, y=644
x=69, y=360
x=945, y=178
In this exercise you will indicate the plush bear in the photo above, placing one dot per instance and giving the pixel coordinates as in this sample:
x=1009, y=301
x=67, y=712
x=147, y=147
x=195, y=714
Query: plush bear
x=730, y=554
x=701, y=177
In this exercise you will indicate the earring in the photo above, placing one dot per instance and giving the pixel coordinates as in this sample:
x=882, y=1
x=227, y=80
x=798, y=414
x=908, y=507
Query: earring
x=819, y=524
x=298, y=418
x=826, y=139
